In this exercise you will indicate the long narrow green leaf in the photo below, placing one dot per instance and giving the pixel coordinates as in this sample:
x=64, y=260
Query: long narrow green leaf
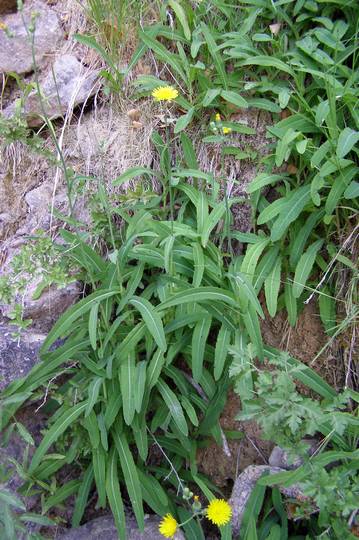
x=272, y=286
x=130, y=475
x=304, y=267
x=127, y=385
x=199, y=340
x=68, y=417
x=152, y=319
x=114, y=495
x=173, y=405
x=82, y=496
x=65, y=322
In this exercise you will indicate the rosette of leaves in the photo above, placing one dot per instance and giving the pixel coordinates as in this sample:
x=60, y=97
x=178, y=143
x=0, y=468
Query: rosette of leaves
x=145, y=355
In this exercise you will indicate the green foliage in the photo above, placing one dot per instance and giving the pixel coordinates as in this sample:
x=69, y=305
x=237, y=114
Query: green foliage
x=287, y=418
x=150, y=339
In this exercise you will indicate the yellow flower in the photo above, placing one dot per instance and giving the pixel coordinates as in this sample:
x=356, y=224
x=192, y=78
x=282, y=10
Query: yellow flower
x=168, y=526
x=165, y=93
x=227, y=130
x=218, y=117
x=219, y=512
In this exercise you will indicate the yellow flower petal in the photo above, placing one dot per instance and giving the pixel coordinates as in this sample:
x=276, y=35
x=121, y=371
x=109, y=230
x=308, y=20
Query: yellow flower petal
x=227, y=130
x=219, y=512
x=218, y=117
x=168, y=526
x=165, y=93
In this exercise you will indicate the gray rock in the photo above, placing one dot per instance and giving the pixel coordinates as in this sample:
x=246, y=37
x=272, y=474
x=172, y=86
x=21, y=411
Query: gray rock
x=15, y=45
x=45, y=311
x=280, y=458
x=8, y=6
x=67, y=85
x=244, y=486
x=104, y=527
x=17, y=357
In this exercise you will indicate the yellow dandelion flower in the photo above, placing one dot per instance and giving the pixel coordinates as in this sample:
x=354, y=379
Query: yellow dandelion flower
x=168, y=526
x=218, y=117
x=165, y=93
x=227, y=130
x=219, y=512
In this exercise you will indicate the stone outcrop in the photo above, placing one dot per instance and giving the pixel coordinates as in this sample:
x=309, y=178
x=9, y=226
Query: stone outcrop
x=15, y=41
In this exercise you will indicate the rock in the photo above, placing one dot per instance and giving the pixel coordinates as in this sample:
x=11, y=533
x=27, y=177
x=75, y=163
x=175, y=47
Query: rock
x=17, y=357
x=52, y=303
x=280, y=458
x=67, y=85
x=104, y=527
x=244, y=486
x=15, y=45
x=8, y=6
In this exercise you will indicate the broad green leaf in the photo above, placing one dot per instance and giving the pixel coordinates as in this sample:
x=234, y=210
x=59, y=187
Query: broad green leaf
x=62, y=493
x=184, y=120
x=173, y=405
x=210, y=95
x=133, y=172
x=250, y=319
x=249, y=263
x=202, y=211
x=296, y=201
x=130, y=475
x=152, y=319
x=68, y=417
x=163, y=54
x=114, y=497
x=90, y=423
x=234, y=98
x=304, y=267
x=82, y=496
x=221, y=351
x=247, y=292
x=267, y=61
x=199, y=340
x=65, y=322
x=127, y=385
x=188, y=151
x=93, y=321
x=10, y=499
x=140, y=384
x=153, y=493
x=93, y=392
x=271, y=211
x=181, y=16
x=213, y=50
x=198, y=262
x=140, y=434
x=327, y=310
x=99, y=469
x=297, y=246
x=352, y=191
x=155, y=367
x=262, y=180
x=290, y=304
x=211, y=221
x=347, y=139
x=272, y=286
x=199, y=294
